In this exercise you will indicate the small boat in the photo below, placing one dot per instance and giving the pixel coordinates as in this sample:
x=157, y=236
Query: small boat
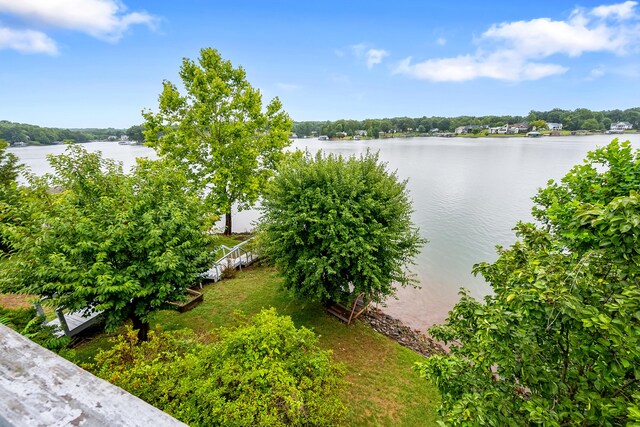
x=323, y=138
x=534, y=134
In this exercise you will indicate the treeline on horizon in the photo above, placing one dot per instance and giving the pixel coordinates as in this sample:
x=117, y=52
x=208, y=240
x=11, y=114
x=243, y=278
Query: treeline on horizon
x=578, y=119
x=32, y=134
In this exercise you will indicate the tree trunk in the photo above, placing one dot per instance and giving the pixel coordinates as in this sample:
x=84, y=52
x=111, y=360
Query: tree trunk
x=141, y=327
x=227, y=224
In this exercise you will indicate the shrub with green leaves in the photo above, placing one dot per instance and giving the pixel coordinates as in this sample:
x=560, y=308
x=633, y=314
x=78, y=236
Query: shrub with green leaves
x=336, y=226
x=266, y=373
x=558, y=343
x=27, y=322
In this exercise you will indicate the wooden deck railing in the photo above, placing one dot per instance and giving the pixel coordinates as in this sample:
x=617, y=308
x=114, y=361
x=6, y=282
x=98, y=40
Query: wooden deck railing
x=241, y=255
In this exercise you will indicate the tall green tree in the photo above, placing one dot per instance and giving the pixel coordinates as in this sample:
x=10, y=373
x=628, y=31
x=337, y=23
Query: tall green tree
x=94, y=237
x=135, y=133
x=9, y=170
x=337, y=226
x=558, y=341
x=218, y=133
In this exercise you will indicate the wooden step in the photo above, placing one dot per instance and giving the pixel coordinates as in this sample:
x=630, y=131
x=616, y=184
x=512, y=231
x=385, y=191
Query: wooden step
x=340, y=314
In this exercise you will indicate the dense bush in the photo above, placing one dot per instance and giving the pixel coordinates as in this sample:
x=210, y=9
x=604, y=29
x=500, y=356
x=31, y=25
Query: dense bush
x=27, y=322
x=336, y=226
x=265, y=373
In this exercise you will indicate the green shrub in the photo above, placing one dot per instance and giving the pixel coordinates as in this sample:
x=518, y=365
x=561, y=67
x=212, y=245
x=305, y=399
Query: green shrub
x=266, y=373
x=27, y=322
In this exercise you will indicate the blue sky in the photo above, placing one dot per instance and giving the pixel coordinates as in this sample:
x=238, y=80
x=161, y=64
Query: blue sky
x=98, y=63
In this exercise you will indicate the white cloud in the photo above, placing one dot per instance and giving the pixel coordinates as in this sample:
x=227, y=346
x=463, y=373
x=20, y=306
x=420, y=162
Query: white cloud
x=500, y=66
x=441, y=41
x=370, y=56
x=287, y=87
x=27, y=41
x=620, y=11
x=374, y=56
x=104, y=19
x=515, y=51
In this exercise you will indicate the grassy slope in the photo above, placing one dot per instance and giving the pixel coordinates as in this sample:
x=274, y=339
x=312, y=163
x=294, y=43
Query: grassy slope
x=383, y=389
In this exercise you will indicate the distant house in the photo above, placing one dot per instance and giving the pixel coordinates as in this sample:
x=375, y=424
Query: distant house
x=293, y=135
x=620, y=127
x=518, y=128
x=434, y=130
x=554, y=126
x=495, y=129
x=360, y=133
x=124, y=138
x=340, y=134
x=323, y=138
x=466, y=129
x=502, y=129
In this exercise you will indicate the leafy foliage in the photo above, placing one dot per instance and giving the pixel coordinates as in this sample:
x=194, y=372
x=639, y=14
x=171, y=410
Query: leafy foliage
x=101, y=239
x=218, y=133
x=559, y=341
x=570, y=119
x=14, y=132
x=27, y=322
x=266, y=373
x=9, y=170
x=337, y=226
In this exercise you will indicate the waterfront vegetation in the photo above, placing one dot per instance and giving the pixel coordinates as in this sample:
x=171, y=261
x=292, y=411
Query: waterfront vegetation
x=557, y=343
x=572, y=120
x=381, y=387
x=396, y=127
x=218, y=134
x=339, y=227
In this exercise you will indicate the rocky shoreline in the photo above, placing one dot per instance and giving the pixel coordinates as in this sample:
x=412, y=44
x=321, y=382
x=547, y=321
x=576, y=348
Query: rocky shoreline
x=401, y=333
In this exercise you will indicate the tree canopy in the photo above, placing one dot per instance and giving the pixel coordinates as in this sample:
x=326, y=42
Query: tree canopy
x=14, y=132
x=218, y=132
x=570, y=119
x=9, y=170
x=558, y=343
x=336, y=226
x=92, y=236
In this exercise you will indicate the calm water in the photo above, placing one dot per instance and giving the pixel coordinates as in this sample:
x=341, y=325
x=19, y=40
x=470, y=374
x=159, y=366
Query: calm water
x=467, y=194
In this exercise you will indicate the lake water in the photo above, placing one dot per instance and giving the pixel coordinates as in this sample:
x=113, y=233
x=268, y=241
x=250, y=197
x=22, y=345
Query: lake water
x=467, y=196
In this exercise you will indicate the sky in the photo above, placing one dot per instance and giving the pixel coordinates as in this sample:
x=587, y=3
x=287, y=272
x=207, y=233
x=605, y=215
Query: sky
x=99, y=63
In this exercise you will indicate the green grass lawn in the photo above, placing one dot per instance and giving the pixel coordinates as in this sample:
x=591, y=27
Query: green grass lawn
x=383, y=389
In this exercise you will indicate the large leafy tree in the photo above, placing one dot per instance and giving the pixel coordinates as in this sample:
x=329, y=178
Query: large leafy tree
x=9, y=170
x=336, y=226
x=92, y=236
x=558, y=342
x=218, y=132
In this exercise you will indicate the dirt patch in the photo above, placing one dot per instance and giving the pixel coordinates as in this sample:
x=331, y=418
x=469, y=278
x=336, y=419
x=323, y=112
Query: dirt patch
x=13, y=301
